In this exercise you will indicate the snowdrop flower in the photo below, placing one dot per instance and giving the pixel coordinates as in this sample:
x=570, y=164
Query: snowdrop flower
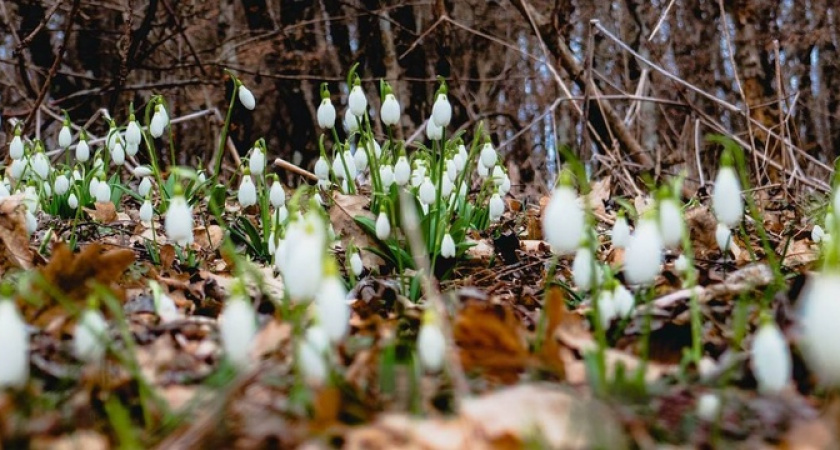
x=18, y=168
x=40, y=165
x=670, y=222
x=442, y=110
x=90, y=339
x=418, y=175
x=383, y=226
x=620, y=231
x=427, y=191
x=131, y=149
x=447, y=246
x=482, y=170
x=726, y=199
x=386, y=175
x=504, y=188
x=133, y=136
x=447, y=187
x=817, y=234
x=77, y=176
x=563, y=220
x=402, y=171
x=357, y=102
x=770, y=359
x=463, y=156
x=360, y=160
x=326, y=113
x=113, y=137
x=16, y=146
x=356, y=264
x=708, y=407
x=623, y=301
x=322, y=169
x=431, y=345
x=237, y=329
x=246, y=97
x=82, y=150
x=341, y=172
x=497, y=207
x=103, y=192
x=145, y=187
x=14, y=359
x=30, y=198
x=31, y=222
x=256, y=162
x=178, y=222
x=488, y=155
x=303, y=256
x=72, y=201
x=390, y=111
x=498, y=175
x=159, y=122
x=4, y=191
x=644, y=253
x=331, y=307
x=311, y=356
x=818, y=315
x=451, y=169
x=247, y=194
x=277, y=196
x=93, y=186
x=350, y=123
x=142, y=171
x=62, y=184
x=146, y=211
x=681, y=264
x=433, y=131
x=582, y=268
x=118, y=154
x=723, y=236
x=606, y=308
x=65, y=136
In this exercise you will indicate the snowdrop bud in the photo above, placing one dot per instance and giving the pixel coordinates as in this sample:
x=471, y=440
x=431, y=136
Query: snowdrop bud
x=770, y=359
x=356, y=264
x=623, y=301
x=303, y=256
x=91, y=337
x=708, y=407
x=103, y=192
x=357, y=101
x=131, y=149
x=433, y=131
x=16, y=147
x=726, y=199
x=326, y=114
x=670, y=222
x=350, y=123
x=133, y=135
x=563, y=221
x=620, y=232
x=311, y=355
x=82, y=151
x=178, y=222
x=818, y=315
x=246, y=97
x=390, y=112
x=159, y=122
x=145, y=186
x=383, y=226
x=723, y=236
x=582, y=268
x=237, y=329
x=402, y=171
x=360, y=160
x=72, y=201
x=431, y=345
x=62, y=184
x=447, y=246
x=681, y=264
x=488, y=155
x=427, y=191
x=93, y=186
x=65, y=137
x=247, y=193
x=482, y=170
x=817, y=234
x=497, y=207
x=31, y=222
x=386, y=175
x=118, y=154
x=146, y=211
x=332, y=308
x=442, y=111
x=644, y=253
x=606, y=308
x=322, y=169
x=14, y=359
x=40, y=165
x=277, y=196
x=257, y=161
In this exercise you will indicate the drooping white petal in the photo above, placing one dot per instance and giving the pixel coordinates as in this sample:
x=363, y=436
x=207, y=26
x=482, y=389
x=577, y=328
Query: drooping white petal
x=770, y=359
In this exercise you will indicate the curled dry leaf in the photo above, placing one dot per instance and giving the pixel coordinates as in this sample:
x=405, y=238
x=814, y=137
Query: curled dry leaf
x=103, y=212
x=15, y=251
x=342, y=216
x=491, y=340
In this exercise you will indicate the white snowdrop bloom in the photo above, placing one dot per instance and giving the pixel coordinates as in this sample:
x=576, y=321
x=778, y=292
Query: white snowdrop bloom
x=16, y=147
x=14, y=359
x=620, y=232
x=723, y=236
x=118, y=154
x=18, y=168
x=726, y=199
x=583, y=268
x=31, y=222
x=488, y=155
x=498, y=175
x=708, y=407
x=62, y=184
x=133, y=135
x=497, y=207
x=247, y=194
x=303, y=256
x=341, y=172
x=65, y=137
x=431, y=345
x=131, y=149
x=505, y=186
x=326, y=114
x=237, y=329
x=77, y=176
x=427, y=191
x=451, y=170
x=256, y=162
x=345, y=186
x=72, y=201
x=817, y=234
x=402, y=171
x=322, y=168
x=818, y=314
x=681, y=264
x=282, y=214
x=277, y=195
x=463, y=156
x=356, y=264
x=246, y=97
x=82, y=151
x=643, y=255
x=30, y=200
x=623, y=301
x=93, y=186
x=482, y=171
x=447, y=187
x=390, y=111
x=142, y=171
x=40, y=165
x=563, y=221
x=332, y=309
x=383, y=226
x=360, y=160
x=90, y=340
x=98, y=164
x=146, y=211
x=103, y=192
x=178, y=222
x=433, y=131
x=386, y=176
x=357, y=102
x=670, y=222
x=418, y=175
x=447, y=246
x=166, y=309
x=272, y=244
x=770, y=359
x=606, y=308
x=374, y=148
x=4, y=191
x=442, y=111
x=351, y=125
x=145, y=186
x=159, y=122
x=311, y=356
x=112, y=138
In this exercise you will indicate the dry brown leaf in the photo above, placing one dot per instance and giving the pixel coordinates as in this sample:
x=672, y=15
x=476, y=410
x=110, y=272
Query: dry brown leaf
x=597, y=197
x=557, y=314
x=167, y=256
x=103, y=212
x=342, y=215
x=491, y=340
x=13, y=236
x=78, y=440
x=799, y=253
x=210, y=238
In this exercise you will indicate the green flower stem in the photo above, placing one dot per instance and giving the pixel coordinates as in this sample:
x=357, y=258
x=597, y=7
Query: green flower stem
x=220, y=154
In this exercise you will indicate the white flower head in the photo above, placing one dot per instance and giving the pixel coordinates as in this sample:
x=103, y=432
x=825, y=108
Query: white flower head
x=708, y=407
x=431, y=344
x=583, y=268
x=72, y=201
x=433, y=131
x=390, y=111
x=311, y=356
x=488, y=155
x=90, y=340
x=61, y=184
x=332, y=309
x=770, y=359
x=357, y=102
x=82, y=151
x=159, y=122
x=350, y=123
x=360, y=160
x=146, y=211
x=247, y=194
x=402, y=171
x=671, y=222
x=142, y=171
x=817, y=234
x=386, y=175
x=442, y=110
x=447, y=246
x=383, y=226
x=620, y=232
x=103, y=192
x=303, y=256
x=322, y=169
x=144, y=187
x=277, y=195
x=326, y=114
x=681, y=264
x=427, y=191
x=16, y=147
x=563, y=221
x=133, y=135
x=237, y=329
x=40, y=165
x=179, y=221
x=606, y=308
x=496, y=208
x=356, y=264
x=65, y=137
x=818, y=314
x=118, y=154
x=256, y=161
x=723, y=236
x=623, y=300
x=246, y=97
x=14, y=359
x=726, y=199
x=643, y=255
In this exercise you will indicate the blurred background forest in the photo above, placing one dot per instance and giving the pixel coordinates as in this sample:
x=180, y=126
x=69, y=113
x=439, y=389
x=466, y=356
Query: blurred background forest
x=637, y=90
